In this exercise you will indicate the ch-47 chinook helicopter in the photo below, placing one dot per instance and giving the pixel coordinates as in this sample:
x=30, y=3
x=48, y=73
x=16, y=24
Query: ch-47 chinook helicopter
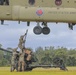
x=43, y=11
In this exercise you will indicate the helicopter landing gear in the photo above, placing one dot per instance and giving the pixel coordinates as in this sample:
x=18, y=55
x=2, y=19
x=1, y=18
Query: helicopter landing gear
x=70, y=25
x=45, y=30
x=38, y=29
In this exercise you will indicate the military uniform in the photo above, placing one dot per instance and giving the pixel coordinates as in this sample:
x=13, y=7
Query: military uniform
x=13, y=60
x=21, y=41
x=21, y=64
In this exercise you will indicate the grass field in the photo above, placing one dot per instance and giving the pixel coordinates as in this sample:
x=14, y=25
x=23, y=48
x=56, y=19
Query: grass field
x=39, y=71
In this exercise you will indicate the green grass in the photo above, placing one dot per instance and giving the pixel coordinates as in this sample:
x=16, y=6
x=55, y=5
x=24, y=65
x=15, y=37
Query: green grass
x=39, y=71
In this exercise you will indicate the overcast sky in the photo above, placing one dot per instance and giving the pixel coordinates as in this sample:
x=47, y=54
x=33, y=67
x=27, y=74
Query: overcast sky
x=60, y=35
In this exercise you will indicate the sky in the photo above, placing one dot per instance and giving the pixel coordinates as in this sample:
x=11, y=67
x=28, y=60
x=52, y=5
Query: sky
x=60, y=35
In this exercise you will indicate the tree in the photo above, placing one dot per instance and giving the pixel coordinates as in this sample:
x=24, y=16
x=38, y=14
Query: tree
x=61, y=53
x=46, y=60
x=39, y=54
x=71, y=61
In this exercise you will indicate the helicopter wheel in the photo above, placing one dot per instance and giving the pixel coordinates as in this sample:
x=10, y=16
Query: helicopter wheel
x=45, y=30
x=37, y=30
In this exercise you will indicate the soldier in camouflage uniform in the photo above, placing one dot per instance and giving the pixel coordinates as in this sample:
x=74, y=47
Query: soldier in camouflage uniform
x=21, y=45
x=21, y=41
x=21, y=64
x=14, y=59
x=21, y=54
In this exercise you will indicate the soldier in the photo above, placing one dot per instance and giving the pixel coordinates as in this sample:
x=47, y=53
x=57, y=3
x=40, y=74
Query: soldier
x=14, y=59
x=21, y=45
x=21, y=41
x=21, y=64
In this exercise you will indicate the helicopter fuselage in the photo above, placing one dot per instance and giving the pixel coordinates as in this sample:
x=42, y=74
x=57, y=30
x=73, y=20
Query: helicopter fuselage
x=39, y=11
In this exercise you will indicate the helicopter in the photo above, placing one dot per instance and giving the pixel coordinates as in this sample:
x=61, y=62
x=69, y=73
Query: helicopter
x=43, y=11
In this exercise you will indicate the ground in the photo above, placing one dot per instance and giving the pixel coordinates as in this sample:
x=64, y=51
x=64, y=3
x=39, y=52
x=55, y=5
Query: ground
x=39, y=71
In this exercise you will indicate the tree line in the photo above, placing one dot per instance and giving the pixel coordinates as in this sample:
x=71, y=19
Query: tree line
x=45, y=56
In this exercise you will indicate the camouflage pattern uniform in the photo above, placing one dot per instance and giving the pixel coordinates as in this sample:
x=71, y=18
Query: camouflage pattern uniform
x=13, y=60
x=21, y=45
x=21, y=64
x=21, y=41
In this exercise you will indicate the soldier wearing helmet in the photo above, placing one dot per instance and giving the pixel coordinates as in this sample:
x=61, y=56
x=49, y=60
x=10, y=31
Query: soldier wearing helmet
x=14, y=59
x=21, y=63
x=21, y=42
